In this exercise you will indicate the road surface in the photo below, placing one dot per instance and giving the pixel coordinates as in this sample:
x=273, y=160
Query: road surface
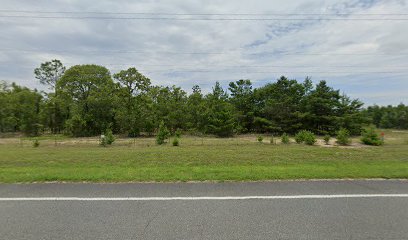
x=361, y=209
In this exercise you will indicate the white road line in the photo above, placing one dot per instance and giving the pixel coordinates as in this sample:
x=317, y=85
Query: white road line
x=204, y=198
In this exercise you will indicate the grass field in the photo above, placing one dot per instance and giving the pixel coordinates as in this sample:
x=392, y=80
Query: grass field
x=196, y=159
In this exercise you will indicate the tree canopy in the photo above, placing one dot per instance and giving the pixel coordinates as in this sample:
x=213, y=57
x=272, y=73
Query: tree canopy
x=88, y=100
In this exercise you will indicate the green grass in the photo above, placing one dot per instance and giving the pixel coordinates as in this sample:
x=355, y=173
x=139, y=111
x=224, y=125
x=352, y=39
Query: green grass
x=196, y=159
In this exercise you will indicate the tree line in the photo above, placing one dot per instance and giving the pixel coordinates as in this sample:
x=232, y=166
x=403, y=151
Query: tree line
x=87, y=100
x=388, y=116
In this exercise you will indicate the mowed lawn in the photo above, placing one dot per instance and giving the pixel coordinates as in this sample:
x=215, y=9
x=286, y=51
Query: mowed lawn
x=197, y=159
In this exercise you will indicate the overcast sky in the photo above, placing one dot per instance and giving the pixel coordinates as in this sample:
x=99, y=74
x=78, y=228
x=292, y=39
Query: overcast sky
x=358, y=46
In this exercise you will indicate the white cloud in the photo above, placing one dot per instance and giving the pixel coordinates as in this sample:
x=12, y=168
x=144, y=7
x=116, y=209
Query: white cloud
x=149, y=45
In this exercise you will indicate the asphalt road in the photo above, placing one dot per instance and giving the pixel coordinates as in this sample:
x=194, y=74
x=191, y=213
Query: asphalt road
x=338, y=210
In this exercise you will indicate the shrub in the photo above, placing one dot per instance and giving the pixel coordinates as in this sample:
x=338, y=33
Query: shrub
x=371, y=137
x=176, y=142
x=305, y=136
x=178, y=133
x=326, y=139
x=260, y=139
x=343, y=137
x=162, y=134
x=36, y=143
x=109, y=137
x=310, y=138
x=300, y=136
x=285, y=139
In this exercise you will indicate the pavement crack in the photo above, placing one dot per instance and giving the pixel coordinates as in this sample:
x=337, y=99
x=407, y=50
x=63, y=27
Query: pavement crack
x=148, y=224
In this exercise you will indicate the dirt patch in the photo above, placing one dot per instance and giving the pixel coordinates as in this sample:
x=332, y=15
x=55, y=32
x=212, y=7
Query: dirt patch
x=400, y=132
x=333, y=143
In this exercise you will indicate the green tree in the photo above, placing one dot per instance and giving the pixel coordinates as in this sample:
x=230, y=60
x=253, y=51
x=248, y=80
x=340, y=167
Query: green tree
x=86, y=101
x=169, y=104
x=243, y=100
x=350, y=116
x=322, y=105
x=220, y=113
x=90, y=91
x=281, y=104
x=163, y=134
x=20, y=109
x=48, y=74
x=388, y=116
x=131, y=110
x=196, y=108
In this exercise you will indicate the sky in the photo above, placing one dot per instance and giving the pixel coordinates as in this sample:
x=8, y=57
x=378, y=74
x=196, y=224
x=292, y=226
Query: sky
x=357, y=46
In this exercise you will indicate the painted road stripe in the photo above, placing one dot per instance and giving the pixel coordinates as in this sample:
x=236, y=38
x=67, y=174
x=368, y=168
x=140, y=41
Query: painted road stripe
x=204, y=198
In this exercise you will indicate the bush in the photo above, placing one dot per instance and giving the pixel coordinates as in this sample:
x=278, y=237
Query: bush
x=305, y=136
x=371, y=137
x=260, y=139
x=176, y=142
x=107, y=138
x=326, y=139
x=300, y=136
x=343, y=137
x=163, y=134
x=36, y=143
x=178, y=133
x=310, y=138
x=285, y=139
